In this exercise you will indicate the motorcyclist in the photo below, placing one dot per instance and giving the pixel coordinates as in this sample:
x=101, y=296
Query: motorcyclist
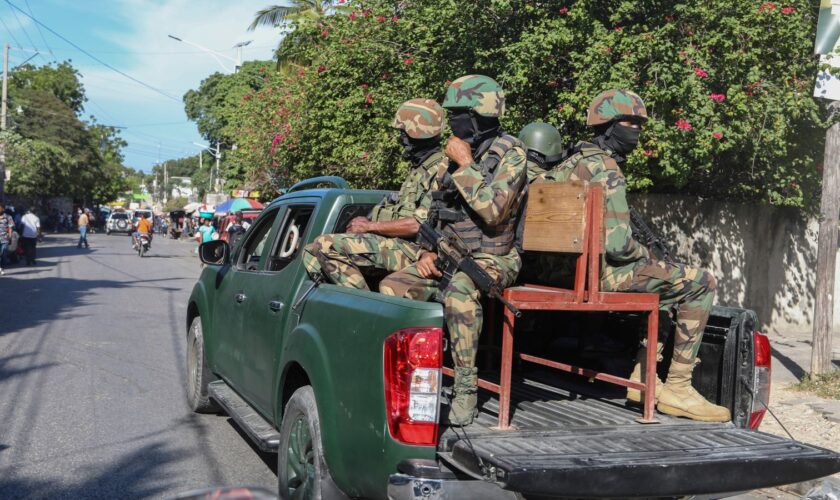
x=143, y=227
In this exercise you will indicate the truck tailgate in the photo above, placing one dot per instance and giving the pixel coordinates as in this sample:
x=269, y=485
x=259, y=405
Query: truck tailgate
x=638, y=460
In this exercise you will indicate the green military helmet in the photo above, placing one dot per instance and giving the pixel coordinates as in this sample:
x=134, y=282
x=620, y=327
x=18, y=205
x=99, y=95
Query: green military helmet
x=616, y=105
x=420, y=118
x=542, y=138
x=479, y=93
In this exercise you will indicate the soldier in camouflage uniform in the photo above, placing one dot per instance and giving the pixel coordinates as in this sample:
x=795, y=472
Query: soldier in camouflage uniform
x=386, y=240
x=617, y=117
x=478, y=201
x=543, y=146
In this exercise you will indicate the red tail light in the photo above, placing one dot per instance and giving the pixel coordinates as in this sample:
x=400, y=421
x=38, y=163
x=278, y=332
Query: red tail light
x=412, y=360
x=761, y=381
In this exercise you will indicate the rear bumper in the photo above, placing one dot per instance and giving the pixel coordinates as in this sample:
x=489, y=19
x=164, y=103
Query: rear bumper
x=406, y=487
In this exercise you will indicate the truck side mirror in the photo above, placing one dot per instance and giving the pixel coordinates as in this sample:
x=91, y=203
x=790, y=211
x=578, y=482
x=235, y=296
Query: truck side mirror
x=214, y=253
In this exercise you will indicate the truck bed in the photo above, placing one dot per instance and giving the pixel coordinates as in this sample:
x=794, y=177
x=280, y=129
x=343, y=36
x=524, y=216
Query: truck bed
x=577, y=439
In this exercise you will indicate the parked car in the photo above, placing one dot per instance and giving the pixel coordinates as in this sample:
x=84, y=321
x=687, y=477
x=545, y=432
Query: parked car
x=119, y=222
x=339, y=383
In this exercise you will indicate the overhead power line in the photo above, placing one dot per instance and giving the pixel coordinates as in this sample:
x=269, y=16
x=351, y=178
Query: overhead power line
x=85, y=52
x=47, y=45
x=14, y=39
x=22, y=28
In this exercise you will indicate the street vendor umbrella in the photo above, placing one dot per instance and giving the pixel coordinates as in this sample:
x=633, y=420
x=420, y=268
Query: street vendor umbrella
x=235, y=204
x=192, y=207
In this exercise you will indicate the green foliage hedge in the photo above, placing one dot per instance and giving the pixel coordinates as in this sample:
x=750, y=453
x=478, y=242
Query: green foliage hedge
x=728, y=85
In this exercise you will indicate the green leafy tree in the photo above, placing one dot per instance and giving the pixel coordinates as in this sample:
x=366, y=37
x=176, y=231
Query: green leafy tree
x=728, y=87
x=61, y=80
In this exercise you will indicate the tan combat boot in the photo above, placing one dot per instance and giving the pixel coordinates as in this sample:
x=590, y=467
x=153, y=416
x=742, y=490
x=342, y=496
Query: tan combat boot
x=635, y=395
x=679, y=398
x=462, y=408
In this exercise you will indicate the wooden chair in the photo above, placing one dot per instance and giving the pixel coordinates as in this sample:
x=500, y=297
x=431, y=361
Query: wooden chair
x=568, y=218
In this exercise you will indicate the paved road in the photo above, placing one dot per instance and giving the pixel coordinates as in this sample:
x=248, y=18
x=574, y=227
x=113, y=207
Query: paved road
x=92, y=398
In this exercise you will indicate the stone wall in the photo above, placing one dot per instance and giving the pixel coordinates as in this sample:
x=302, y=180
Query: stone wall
x=764, y=257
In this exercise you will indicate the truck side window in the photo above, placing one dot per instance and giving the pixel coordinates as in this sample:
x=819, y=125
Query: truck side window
x=348, y=213
x=249, y=257
x=291, y=237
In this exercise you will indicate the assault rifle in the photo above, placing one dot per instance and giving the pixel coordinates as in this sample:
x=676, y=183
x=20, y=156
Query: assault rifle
x=453, y=256
x=645, y=235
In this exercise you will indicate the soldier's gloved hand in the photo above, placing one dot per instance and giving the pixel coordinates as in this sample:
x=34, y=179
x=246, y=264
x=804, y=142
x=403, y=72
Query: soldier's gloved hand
x=459, y=152
x=426, y=266
x=359, y=225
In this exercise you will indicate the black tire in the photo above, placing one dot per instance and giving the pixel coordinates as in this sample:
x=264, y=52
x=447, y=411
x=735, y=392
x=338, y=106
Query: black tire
x=108, y=232
x=300, y=457
x=141, y=250
x=198, y=375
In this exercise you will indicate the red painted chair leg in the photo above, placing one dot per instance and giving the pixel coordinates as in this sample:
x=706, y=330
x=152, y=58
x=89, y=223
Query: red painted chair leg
x=650, y=368
x=505, y=376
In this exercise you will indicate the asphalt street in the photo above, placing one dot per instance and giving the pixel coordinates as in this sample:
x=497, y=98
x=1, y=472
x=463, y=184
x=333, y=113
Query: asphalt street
x=92, y=392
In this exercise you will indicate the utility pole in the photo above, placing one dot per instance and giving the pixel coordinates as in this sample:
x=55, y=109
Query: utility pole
x=826, y=254
x=218, y=159
x=3, y=114
x=165, y=185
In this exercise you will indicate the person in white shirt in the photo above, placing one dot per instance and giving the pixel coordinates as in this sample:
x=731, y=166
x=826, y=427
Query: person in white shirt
x=30, y=235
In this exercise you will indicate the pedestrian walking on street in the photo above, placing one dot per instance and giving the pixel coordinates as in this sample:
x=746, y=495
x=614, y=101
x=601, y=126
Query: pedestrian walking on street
x=6, y=227
x=84, y=224
x=30, y=235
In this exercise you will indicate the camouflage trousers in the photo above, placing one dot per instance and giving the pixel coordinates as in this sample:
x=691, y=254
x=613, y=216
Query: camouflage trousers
x=461, y=307
x=342, y=258
x=690, y=290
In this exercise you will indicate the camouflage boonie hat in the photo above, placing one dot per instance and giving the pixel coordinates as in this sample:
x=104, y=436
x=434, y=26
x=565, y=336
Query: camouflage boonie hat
x=420, y=118
x=616, y=104
x=479, y=93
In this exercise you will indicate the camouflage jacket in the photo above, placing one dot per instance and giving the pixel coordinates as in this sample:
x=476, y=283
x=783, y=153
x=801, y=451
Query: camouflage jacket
x=415, y=193
x=495, y=202
x=534, y=171
x=593, y=164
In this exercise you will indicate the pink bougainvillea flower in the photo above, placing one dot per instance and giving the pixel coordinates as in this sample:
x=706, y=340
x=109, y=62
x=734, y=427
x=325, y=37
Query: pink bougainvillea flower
x=408, y=60
x=767, y=6
x=395, y=18
x=365, y=154
x=302, y=72
x=352, y=16
x=683, y=54
x=369, y=99
x=717, y=97
x=649, y=153
x=683, y=124
x=246, y=97
x=364, y=86
x=342, y=2
x=380, y=19
x=788, y=10
x=717, y=135
x=321, y=68
x=700, y=72
x=325, y=33
x=563, y=10
x=619, y=28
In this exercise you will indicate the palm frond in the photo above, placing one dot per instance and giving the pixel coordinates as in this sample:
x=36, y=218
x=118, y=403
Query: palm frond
x=274, y=15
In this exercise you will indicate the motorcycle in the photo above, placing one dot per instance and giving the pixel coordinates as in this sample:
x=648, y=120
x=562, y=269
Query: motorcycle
x=144, y=242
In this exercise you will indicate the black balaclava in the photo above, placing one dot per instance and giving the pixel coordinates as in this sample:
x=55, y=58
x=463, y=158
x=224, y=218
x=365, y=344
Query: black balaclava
x=415, y=151
x=618, y=138
x=473, y=128
x=543, y=161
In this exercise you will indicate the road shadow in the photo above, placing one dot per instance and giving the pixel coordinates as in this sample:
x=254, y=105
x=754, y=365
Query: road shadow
x=30, y=303
x=789, y=364
x=144, y=473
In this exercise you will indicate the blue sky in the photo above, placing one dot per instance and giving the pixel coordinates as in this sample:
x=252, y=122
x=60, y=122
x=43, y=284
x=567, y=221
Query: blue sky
x=131, y=35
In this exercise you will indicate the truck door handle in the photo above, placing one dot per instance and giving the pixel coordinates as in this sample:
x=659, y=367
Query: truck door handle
x=239, y=298
x=275, y=305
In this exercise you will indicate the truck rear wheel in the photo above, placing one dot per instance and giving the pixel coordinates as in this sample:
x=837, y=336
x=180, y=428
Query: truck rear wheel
x=198, y=375
x=301, y=469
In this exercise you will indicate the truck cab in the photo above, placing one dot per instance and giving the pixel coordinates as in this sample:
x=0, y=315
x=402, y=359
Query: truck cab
x=347, y=385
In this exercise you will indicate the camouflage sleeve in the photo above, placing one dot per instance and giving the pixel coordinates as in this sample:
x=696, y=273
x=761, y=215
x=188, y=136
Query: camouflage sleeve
x=535, y=171
x=428, y=183
x=620, y=245
x=409, y=195
x=493, y=201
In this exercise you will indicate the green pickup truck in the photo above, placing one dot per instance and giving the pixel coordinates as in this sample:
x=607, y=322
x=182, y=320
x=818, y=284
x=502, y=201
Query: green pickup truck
x=346, y=386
